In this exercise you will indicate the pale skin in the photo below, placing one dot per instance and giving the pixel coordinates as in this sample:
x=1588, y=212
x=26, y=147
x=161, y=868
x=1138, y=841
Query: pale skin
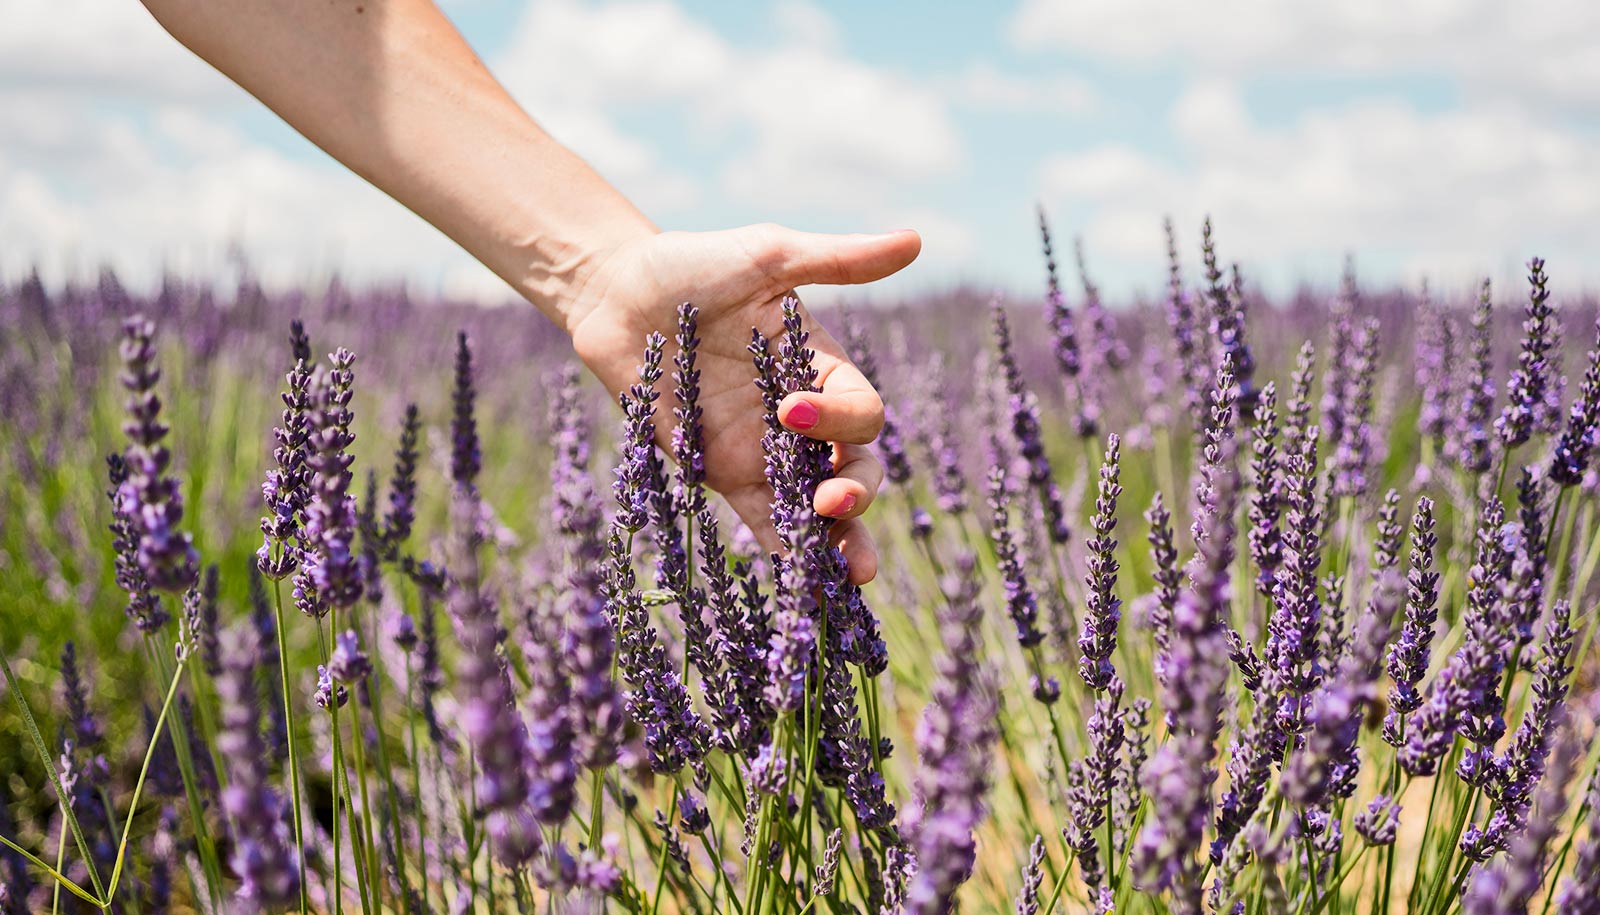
x=392, y=90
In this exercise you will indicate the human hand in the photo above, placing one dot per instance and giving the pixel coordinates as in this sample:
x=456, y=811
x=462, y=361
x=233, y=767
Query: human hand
x=737, y=278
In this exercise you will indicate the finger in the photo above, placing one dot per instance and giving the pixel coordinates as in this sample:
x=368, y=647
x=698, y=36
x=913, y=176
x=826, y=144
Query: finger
x=857, y=476
x=855, y=542
x=847, y=409
x=836, y=260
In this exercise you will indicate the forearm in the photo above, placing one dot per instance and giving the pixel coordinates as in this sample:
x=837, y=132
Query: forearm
x=390, y=89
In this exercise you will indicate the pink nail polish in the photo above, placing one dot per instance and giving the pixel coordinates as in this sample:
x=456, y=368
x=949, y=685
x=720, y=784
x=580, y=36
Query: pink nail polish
x=845, y=506
x=803, y=415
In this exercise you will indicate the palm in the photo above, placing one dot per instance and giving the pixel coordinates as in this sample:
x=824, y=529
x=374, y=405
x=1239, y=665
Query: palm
x=737, y=280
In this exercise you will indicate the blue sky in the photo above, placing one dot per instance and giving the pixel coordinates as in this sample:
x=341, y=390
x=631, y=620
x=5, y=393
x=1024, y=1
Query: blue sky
x=1437, y=138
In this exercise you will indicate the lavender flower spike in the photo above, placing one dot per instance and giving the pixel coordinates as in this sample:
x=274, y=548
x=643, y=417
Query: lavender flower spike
x=1570, y=459
x=150, y=498
x=1179, y=776
x=1528, y=387
x=1509, y=886
x=1408, y=658
x=1469, y=444
x=488, y=716
x=1025, y=427
x=1021, y=602
x=954, y=738
x=144, y=605
x=1326, y=763
x=1032, y=879
x=330, y=578
x=466, y=456
x=1581, y=893
x=285, y=488
x=262, y=855
x=1103, y=611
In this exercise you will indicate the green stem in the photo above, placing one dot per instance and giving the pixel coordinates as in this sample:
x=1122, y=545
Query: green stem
x=294, y=760
x=661, y=862
x=55, y=777
x=54, y=874
x=358, y=741
x=138, y=787
x=61, y=854
x=416, y=790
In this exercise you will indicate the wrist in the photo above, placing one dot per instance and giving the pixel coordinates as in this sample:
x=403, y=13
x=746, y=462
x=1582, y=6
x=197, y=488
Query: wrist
x=562, y=271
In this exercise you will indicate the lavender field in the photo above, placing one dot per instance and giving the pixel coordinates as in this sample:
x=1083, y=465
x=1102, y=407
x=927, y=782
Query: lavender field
x=340, y=601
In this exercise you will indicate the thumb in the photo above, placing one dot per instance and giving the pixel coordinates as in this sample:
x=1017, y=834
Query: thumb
x=838, y=260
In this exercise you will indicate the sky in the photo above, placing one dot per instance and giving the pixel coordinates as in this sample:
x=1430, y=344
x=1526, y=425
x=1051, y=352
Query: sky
x=1437, y=139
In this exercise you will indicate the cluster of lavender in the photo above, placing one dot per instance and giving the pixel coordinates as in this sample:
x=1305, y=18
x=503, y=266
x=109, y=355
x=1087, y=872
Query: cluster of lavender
x=1346, y=665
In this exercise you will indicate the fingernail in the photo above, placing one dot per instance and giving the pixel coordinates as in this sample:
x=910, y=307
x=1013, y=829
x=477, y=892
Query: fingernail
x=845, y=506
x=802, y=415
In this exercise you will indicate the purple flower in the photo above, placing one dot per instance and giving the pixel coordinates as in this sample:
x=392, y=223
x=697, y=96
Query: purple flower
x=262, y=857
x=348, y=663
x=1102, y=610
x=588, y=647
x=150, y=498
x=794, y=466
x=328, y=693
x=1379, y=822
x=1519, y=771
x=1227, y=320
x=1091, y=782
x=466, y=456
x=1032, y=879
x=949, y=481
x=1569, y=459
x=1059, y=314
x=285, y=490
x=1353, y=446
x=1408, y=657
x=1469, y=444
x=402, y=512
x=574, y=503
x=1108, y=350
x=1178, y=778
x=954, y=740
x=896, y=464
x=1164, y=556
x=1527, y=390
x=550, y=721
x=1025, y=428
x=86, y=726
x=1266, y=541
x=1435, y=361
x=1189, y=347
x=1580, y=895
x=1021, y=603
x=1251, y=755
x=657, y=699
x=847, y=755
x=330, y=575
x=1292, y=632
x=1464, y=697
x=1507, y=887
x=144, y=605
x=1325, y=764
x=494, y=731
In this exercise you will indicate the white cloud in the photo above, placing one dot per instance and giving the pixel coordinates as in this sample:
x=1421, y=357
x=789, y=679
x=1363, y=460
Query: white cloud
x=120, y=147
x=1436, y=192
x=182, y=189
x=988, y=88
x=811, y=127
x=1537, y=50
x=104, y=52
